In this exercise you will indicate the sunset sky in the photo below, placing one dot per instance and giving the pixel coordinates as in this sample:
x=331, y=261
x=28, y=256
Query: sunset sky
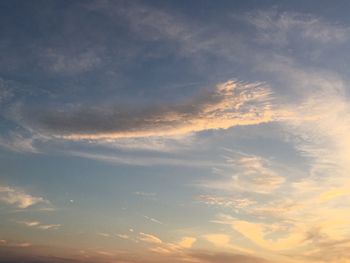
x=185, y=131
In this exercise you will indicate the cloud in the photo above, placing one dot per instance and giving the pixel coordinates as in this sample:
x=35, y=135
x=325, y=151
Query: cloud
x=12, y=244
x=19, y=198
x=160, y=247
x=70, y=61
x=148, y=238
x=143, y=161
x=223, y=201
x=320, y=134
x=260, y=234
x=220, y=240
x=160, y=144
x=257, y=174
x=144, y=194
x=250, y=174
x=284, y=28
x=181, y=34
x=19, y=143
x=38, y=225
x=223, y=241
x=6, y=91
x=230, y=104
x=215, y=257
x=122, y=236
x=187, y=242
x=103, y=234
x=153, y=220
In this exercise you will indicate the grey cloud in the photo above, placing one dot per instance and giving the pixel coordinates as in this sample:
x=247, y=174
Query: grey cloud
x=229, y=104
x=70, y=61
x=18, y=142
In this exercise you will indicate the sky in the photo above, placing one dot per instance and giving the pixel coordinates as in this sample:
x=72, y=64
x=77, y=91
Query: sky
x=174, y=131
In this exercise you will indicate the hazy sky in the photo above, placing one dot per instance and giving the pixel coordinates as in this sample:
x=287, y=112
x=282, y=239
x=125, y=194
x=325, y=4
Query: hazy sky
x=175, y=131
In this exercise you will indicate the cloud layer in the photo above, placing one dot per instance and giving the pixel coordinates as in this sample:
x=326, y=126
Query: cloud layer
x=230, y=104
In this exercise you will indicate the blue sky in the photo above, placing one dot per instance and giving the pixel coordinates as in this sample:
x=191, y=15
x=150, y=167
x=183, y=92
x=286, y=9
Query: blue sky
x=179, y=131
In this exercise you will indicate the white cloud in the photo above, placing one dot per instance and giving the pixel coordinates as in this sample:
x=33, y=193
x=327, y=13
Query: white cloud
x=19, y=198
x=148, y=238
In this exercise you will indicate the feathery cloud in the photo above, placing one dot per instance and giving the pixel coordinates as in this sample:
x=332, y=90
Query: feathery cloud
x=283, y=27
x=230, y=104
x=39, y=225
x=149, y=238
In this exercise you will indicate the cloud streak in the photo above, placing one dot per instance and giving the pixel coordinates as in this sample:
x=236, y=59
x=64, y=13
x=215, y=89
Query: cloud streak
x=230, y=104
x=39, y=225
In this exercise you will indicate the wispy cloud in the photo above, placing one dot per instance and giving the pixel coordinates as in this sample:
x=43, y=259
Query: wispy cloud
x=18, y=142
x=248, y=174
x=9, y=243
x=39, y=225
x=149, y=238
x=217, y=257
x=285, y=28
x=226, y=201
x=230, y=104
x=5, y=91
x=145, y=161
x=153, y=220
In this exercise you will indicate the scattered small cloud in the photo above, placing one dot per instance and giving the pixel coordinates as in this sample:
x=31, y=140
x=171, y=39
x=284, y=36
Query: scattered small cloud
x=19, y=198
